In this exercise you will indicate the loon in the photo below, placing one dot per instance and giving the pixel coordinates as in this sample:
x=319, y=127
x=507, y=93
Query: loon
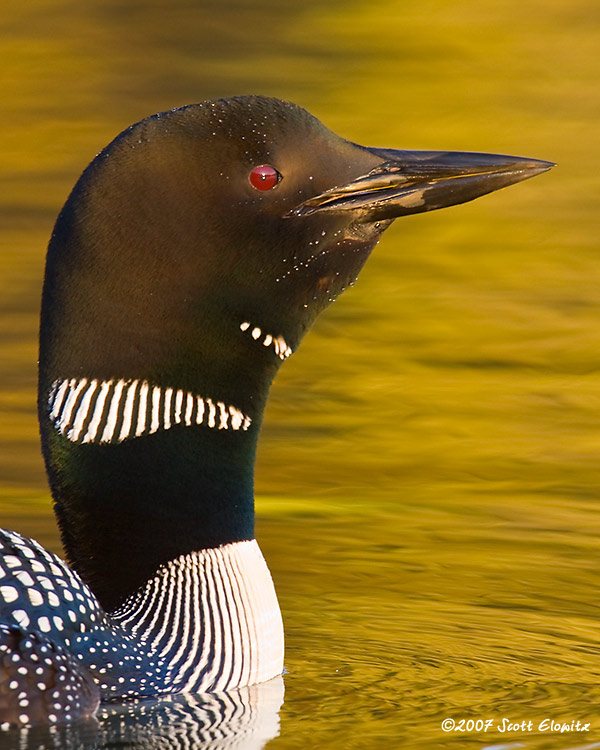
x=190, y=259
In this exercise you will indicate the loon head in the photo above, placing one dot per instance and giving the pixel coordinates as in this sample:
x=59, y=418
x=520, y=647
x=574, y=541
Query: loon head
x=191, y=257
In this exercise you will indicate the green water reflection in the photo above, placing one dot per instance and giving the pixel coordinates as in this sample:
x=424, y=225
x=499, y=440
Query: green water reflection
x=428, y=475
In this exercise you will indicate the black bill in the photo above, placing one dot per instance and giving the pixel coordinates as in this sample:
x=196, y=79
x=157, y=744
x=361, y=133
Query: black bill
x=410, y=182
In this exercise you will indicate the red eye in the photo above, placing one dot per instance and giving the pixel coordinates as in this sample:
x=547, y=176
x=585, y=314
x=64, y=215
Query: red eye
x=264, y=177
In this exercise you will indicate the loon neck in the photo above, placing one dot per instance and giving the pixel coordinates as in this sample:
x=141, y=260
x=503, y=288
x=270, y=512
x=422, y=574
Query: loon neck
x=143, y=472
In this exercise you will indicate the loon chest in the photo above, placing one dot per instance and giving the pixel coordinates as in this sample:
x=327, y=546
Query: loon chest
x=207, y=621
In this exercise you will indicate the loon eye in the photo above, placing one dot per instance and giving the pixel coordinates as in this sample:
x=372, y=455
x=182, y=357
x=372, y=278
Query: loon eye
x=264, y=177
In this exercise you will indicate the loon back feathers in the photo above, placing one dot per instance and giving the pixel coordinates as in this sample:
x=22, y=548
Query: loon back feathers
x=187, y=264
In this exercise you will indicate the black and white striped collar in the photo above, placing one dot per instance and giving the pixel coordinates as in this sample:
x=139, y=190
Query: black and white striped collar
x=111, y=411
x=212, y=616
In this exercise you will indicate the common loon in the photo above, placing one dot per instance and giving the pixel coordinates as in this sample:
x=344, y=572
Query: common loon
x=190, y=259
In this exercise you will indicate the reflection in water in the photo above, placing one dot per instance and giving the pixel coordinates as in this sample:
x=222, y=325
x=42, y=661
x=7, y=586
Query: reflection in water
x=247, y=718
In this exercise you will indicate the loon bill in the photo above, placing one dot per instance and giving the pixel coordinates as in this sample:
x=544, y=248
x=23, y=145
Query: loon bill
x=186, y=265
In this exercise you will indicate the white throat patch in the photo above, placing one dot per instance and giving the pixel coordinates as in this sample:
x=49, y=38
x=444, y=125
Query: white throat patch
x=110, y=411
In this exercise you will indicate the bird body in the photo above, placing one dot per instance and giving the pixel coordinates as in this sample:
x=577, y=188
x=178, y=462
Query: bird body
x=187, y=264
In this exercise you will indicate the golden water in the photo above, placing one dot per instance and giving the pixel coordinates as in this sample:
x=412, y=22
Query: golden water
x=428, y=480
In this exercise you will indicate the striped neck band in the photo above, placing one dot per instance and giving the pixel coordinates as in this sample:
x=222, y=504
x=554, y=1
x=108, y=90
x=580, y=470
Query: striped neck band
x=111, y=411
x=212, y=616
